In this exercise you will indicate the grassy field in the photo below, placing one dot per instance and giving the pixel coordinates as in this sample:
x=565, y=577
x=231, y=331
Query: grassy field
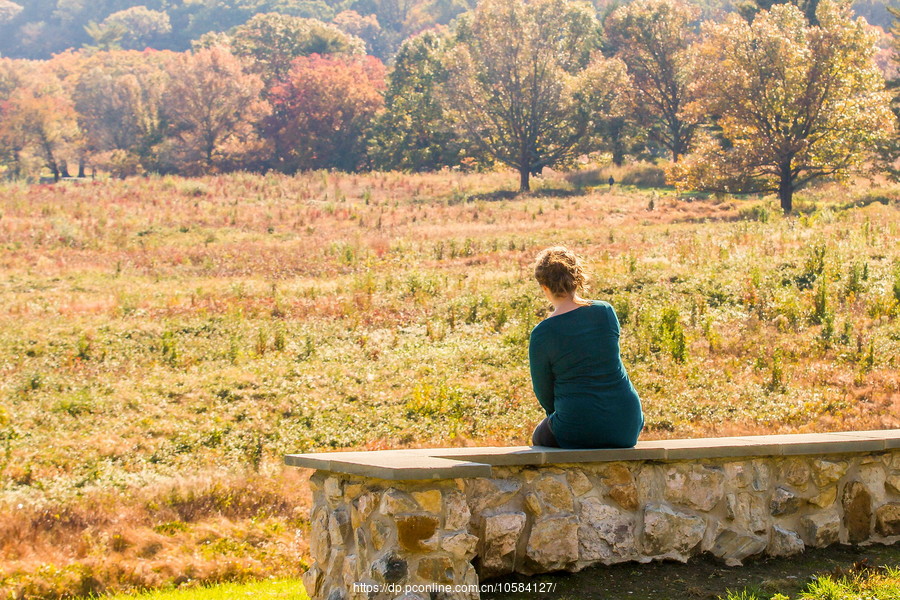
x=278, y=589
x=163, y=342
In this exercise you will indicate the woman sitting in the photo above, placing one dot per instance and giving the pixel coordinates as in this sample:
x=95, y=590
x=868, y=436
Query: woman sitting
x=576, y=370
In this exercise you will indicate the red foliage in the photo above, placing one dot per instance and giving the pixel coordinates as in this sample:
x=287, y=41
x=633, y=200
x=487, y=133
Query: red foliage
x=323, y=109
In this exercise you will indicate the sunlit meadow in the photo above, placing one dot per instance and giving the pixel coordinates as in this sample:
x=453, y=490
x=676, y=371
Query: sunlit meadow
x=166, y=341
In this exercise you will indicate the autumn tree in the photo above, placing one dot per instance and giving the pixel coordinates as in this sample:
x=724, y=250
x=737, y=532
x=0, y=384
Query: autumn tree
x=323, y=110
x=367, y=28
x=652, y=38
x=118, y=97
x=889, y=148
x=134, y=28
x=793, y=102
x=271, y=41
x=750, y=8
x=36, y=117
x=522, y=84
x=211, y=107
x=413, y=132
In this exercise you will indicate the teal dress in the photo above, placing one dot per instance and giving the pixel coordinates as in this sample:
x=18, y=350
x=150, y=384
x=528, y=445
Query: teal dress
x=580, y=381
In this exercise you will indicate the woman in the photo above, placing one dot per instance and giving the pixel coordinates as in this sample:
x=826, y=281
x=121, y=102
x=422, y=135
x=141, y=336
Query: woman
x=576, y=370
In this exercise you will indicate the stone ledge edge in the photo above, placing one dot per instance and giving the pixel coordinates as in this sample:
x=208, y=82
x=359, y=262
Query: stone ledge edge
x=451, y=463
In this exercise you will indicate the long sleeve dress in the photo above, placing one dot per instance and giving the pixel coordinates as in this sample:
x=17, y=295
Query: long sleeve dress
x=580, y=381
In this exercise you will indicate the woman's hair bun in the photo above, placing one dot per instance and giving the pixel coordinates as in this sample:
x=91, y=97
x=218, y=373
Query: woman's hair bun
x=560, y=270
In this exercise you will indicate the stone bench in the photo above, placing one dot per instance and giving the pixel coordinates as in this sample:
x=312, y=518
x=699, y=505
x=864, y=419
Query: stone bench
x=431, y=523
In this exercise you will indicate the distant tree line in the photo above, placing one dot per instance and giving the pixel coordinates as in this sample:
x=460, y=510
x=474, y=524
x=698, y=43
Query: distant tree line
x=762, y=100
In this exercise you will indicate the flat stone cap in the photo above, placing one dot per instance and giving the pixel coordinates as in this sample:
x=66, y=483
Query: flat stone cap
x=450, y=463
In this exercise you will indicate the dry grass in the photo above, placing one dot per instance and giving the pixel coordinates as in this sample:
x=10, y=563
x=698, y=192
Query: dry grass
x=173, y=334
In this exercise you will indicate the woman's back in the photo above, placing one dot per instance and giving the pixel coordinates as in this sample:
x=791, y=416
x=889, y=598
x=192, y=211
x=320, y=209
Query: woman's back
x=580, y=381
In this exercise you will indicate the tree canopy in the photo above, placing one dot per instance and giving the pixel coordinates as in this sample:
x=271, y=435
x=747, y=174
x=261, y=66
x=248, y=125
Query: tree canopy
x=791, y=102
x=524, y=82
x=652, y=38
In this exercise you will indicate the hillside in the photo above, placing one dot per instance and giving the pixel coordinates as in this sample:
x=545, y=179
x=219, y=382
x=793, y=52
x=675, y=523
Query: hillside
x=36, y=29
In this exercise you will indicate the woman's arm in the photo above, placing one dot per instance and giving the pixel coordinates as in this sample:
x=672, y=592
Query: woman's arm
x=541, y=374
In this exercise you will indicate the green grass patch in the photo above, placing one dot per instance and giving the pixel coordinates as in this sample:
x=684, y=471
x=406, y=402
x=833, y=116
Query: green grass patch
x=276, y=589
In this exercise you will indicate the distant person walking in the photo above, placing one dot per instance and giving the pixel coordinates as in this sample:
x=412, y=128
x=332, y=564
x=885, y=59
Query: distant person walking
x=611, y=182
x=576, y=369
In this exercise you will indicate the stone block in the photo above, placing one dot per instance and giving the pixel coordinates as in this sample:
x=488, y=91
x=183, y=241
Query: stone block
x=820, y=530
x=381, y=534
x=352, y=490
x=873, y=478
x=579, y=482
x=336, y=560
x=490, y=493
x=333, y=490
x=362, y=508
x=320, y=538
x=857, y=503
x=461, y=545
x=795, y=472
x=748, y=512
x=554, y=494
x=350, y=570
x=734, y=547
x=617, y=474
x=394, y=501
x=625, y=495
x=825, y=498
x=456, y=511
x=754, y=474
x=312, y=580
x=430, y=500
x=605, y=532
x=437, y=569
x=553, y=544
x=887, y=519
x=695, y=486
x=533, y=504
x=892, y=484
x=414, y=530
x=667, y=531
x=784, y=502
x=784, y=543
x=826, y=472
x=339, y=528
x=390, y=568
x=501, y=535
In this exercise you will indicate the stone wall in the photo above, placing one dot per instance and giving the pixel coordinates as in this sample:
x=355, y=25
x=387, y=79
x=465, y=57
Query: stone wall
x=367, y=533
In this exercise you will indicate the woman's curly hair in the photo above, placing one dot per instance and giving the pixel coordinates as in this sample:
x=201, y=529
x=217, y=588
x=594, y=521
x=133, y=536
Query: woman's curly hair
x=560, y=270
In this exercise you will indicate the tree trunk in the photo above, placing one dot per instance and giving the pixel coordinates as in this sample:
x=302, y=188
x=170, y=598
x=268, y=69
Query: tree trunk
x=524, y=173
x=786, y=188
x=64, y=168
x=618, y=153
x=81, y=162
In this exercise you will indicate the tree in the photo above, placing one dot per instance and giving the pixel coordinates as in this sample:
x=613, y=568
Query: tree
x=118, y=97
x=521, y=83
x=365, y=28
x=270, y=42
x=750, y=8
x=793, y=102
x=38, y=117
x=212, y=106
x=889, y=148
x=652, y=37
x=413, y=132
x=136, y=27
x=323, y=112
